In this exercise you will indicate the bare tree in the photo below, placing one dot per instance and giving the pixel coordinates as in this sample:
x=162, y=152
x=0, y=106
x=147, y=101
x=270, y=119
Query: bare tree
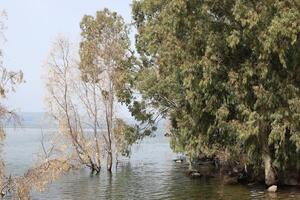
x=73, y=104
x=8, y=81
x=85, y=109
x=35, y=178
x=47, y=169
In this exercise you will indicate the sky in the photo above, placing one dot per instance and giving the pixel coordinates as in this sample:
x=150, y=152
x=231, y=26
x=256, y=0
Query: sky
x=32, y=26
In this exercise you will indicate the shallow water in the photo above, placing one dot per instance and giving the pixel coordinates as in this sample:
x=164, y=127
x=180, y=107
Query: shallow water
x=150, y=173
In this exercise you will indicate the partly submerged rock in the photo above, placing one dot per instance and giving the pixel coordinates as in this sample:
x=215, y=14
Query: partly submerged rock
x=230, y=180
x=178, y=160
x=194, y=174
x=272, y=188
x=291, y=178
x=291, y=181
x=167, y=134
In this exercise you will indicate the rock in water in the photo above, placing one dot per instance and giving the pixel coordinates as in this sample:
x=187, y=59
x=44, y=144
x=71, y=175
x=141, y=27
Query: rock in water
x=179, y=160
x=272, y=188
x=230, y=180
x=195, y=174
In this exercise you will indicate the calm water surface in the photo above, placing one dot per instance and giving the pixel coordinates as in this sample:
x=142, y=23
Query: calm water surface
x=150, y=173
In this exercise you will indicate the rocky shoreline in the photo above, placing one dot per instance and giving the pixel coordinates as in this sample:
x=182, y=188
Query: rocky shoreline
x=232, y=175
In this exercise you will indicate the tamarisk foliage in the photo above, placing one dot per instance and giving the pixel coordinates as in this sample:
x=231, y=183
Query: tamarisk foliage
x=226, y=74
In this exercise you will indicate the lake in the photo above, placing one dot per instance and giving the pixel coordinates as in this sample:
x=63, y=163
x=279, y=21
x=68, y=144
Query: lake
x=150, y=173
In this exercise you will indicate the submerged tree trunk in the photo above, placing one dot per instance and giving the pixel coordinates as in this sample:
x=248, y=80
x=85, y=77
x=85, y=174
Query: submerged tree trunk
x=270, y=176
x=110, y=118
x=109, y=160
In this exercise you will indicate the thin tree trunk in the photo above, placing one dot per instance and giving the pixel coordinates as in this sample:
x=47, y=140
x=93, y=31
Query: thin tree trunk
x=109, y=160
x=98, y=162
x=109, y=148
x=109, y=119
x=270, y=176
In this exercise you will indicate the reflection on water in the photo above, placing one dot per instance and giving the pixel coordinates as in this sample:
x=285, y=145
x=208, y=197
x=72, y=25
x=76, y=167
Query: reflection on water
x=149, y=174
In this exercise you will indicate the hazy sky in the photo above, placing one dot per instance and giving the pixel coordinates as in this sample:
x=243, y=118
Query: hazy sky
x=31, y=27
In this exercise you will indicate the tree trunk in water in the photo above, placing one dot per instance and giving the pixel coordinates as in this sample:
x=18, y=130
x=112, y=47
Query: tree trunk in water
x=109, y=160
x=270, y=176
x=109, y=117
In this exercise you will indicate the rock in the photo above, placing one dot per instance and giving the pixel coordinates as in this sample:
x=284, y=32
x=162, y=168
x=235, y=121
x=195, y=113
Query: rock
x=235, y=170
x=167, y=134
x=230, y=180
x=272, y=188
x=251, y=184
x=291, y=182
x=178, y=160
x=292, y=179
x=195, y=174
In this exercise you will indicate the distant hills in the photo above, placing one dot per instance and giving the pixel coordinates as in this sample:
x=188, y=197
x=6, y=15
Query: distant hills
x=33, y=120
x=43, y=120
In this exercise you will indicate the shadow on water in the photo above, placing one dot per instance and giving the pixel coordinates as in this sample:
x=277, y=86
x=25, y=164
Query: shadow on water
x=149, y=174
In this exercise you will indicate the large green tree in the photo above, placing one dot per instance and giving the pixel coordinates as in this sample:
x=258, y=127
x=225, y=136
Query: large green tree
x=226, y=74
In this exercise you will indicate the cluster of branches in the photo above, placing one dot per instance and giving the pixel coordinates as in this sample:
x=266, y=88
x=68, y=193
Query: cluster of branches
x=49, y=168
x=81, y=92
x=82, y=99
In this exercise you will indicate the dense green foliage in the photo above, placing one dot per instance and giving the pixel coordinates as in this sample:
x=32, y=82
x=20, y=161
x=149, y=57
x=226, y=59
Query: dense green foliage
x=227, y=75
x=125, y=137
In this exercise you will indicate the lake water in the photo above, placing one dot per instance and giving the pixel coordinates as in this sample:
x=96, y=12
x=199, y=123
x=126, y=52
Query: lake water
x=150, y=173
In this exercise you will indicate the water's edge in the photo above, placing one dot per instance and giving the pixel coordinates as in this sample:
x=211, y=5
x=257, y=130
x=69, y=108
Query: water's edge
x=150, y=173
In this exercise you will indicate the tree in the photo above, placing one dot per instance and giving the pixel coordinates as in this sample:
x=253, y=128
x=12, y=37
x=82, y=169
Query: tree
x=103, y=48
x=226, y=74
x=84, y=109
x=51, y=166
x=73, y=103
x=8, y=82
